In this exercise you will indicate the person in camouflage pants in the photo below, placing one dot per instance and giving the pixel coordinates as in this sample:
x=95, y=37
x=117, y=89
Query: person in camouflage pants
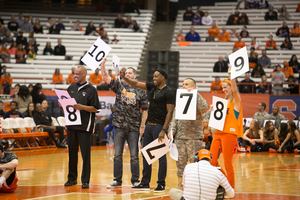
x=188, y=133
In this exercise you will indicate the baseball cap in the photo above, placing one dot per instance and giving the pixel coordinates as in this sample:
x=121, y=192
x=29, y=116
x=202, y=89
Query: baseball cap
x=204, y=153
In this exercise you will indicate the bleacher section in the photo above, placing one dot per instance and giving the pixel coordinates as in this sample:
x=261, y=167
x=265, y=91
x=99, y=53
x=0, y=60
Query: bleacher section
x=130, y=49
x=197, y=59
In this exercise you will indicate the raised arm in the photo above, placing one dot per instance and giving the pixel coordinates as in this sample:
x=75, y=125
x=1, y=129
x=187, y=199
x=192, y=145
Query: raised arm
x=235, y=91
x=104, y=73
x=133, y=83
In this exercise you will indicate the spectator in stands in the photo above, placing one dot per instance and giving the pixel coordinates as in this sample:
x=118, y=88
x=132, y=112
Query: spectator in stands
x=275, y=115
x=247, y=88
x=295, y=31
x=37, y=96
x=105, y=38
x=239, y=44
x=45, y=107
x=216, y=86
x=26, y=26
x=30, y=87
x=128, y=21
x=30, y=20
x=59, y=49
x=23, y=98
x=96, y=78
x=243, y=19
x=274, y=70
x=55, y=28
x=221, y=65
x=20, y=39
x=57, y=77
x=135, y=27
x=131, y=7
x=3, y=30
x=91, y=29
x=13, y=48
x=7, y=38
x=20, y=54
x=252, y=140
x=244, y=33
x=43, y=120
x=70, y=78
x=199, y=10
x=207, y=19
x=271, y=44
x=283, y=31
x=115, y=40
x=20, y=19
x=119, y=22
x=188, y=15
x=258, y=71
x=49, y=23
x=252, y=4
x=31, y=37
x=277, y=80
x=30, y=110
x=13, y=113
x=233, y=19
x=101, y=30
x=77, y=26
x=261, y=114
x=6, y=82
x=179, y=37
x=1, y=109
x=2, y=70
x=283, y=13
x=38, y=28
x=254, y=44
x=213, y=32
x=197, y=19
x=224, y=36
x=286, y=44
x=60, y=24
x=293, y=85
x=5, y=53
x=30, y=46
x=263, y=4
x=13, y=26
x=48, y=49
x=294, y=64
x=233, y=33
x=253, y=58
x=271, y=15
x=110, y=74
x=192, y=36
x=16, y=90
x=31, y=54
x=288, y=71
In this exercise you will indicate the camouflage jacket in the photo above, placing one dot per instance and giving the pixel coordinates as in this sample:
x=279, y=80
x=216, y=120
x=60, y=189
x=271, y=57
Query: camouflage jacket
x=260, y=117
x=277, y=119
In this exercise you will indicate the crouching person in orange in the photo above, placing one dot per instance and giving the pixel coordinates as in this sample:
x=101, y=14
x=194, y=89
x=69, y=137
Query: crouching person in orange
x=233, y=128
x=8, y=163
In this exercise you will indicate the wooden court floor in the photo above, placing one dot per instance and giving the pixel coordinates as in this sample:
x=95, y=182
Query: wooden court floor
x=42, y=173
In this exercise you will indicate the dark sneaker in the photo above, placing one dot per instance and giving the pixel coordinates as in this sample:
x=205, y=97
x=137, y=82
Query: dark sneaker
x=141, y=187
x=160, y=188
x=115, y=184
x=70, y=183
x=85, y=186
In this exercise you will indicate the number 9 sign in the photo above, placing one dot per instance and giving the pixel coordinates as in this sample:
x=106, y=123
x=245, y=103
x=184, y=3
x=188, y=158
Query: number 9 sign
x=239, y=62
x=218, y=115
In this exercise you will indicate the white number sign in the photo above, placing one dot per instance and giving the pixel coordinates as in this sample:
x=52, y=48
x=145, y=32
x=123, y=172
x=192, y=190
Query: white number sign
x=239, y=62
x=62, y=94
x=155, y=150
x=218, y=115
x=72, y=116
x=186, y=104
x=96, y=54
x=116, y=65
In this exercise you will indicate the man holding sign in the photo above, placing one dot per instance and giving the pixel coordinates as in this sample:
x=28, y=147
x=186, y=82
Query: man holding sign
x=159, y=116
x=88, y=103
x=188, y=133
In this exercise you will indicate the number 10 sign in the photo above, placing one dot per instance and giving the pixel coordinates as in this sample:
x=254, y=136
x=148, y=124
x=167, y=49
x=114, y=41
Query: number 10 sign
x=239, y=62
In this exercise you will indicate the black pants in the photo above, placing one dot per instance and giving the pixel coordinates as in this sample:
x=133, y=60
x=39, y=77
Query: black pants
x=80, y=138
x=297, y=147
x=287, y=146
x=255, y=147
x=59, y=130
x=266, y=147
x=6, y=90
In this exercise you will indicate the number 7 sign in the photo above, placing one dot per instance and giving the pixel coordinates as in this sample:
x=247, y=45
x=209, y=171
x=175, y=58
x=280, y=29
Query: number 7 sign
x=186, y=104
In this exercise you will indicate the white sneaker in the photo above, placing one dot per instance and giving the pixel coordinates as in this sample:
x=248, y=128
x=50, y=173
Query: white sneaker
x=242, y=149
x=135, y=184
x=115, y=184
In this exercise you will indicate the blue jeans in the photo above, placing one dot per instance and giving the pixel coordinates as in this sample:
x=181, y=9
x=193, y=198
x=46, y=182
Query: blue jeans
x=132, y=138
x=151, y=133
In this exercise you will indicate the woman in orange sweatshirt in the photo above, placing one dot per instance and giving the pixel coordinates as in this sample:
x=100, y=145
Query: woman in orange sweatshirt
x=57, y=77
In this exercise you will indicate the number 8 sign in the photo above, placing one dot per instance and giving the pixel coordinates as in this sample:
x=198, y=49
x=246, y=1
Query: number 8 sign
x=239, y=62
x=218, y=115
x=72, y=116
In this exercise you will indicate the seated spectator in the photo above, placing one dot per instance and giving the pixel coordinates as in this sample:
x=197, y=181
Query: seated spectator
x=110, y=74
x=96, y=78
x=224, y=36
x=254, y=44
x=243, y=20
x=206, y=19
x=59, y=49
x=271, y=15
x=135, y=27
x=115, y=40
x=23, y=98
x=31, y=54
x=19, y=20
x=13, y=26
x=253, y=58
x=295, y=31
x=252, y=138
x=37, y=28
x=294, y=64
x=70, y=78
x=30, y=45
x=208, y=133
x=49, y=23
x=192, y=36
x=221, y=65
x=45, y=107
x=3, y=30
x=277, y=80
x=283, y=31
x=37, y=95
x=48, y=49
x=247, y=88
x=286, y=44
x=233, y=33
x=26, y=27
x=263, y=4
x=128, y=22
x=293, y=85
x=252, y=4
x=233, y=19
x=275, y=115
x=105, y=38
x=31, y=37
x=270, y=135
x=216, y=86
x=91, y=29
x=6, y=82
x=101, y=30
x=288, y=71
x=188, y=15
x=2, y=70
x=77, y=26
x=13, y=48
x=1, y=109
x=13, y=113
x=30, y=87
x=57, y=77
x=16, y=90
x=261, y=114
x=199, y=10
x=119, y=22
x=274, y=70
x=197, y=19
x=179, y=37
x=258, y=71
x=213, y=32
x=284, y=142
x=283, y=13
x=244, y=33
x=7, y=38
x=20, y=39
x=55, y=28
x=43, y=120
x=271, y=44
x=30, y=20
x=20, y=54
x=239, y=44
x=30, y=110
x=60, y=24
x=5, y=53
